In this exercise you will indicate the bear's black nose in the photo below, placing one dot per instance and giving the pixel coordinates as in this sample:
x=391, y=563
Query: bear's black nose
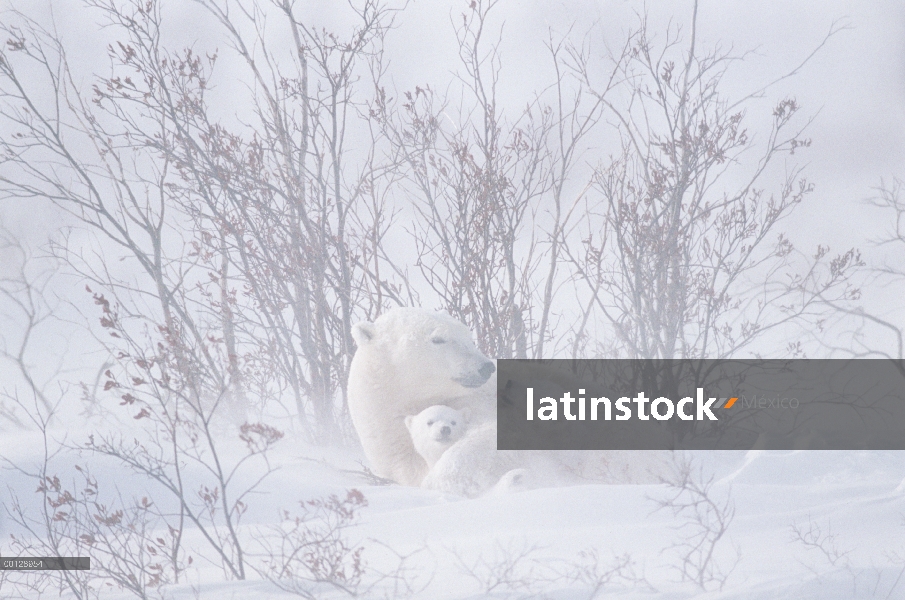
x=487, y=369
x=445, y=430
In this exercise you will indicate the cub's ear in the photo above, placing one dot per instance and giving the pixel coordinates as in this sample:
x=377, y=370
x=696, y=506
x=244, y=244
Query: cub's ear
x=363, y=333
x=408, y=422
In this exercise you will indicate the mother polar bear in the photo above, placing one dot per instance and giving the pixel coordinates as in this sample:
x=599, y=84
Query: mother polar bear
x=407, y=360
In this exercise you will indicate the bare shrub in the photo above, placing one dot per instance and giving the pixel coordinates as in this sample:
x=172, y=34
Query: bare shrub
x=881, y=581
x=595, y=575
x=313, y=547
x=491, y=192
x=296, y=217
x=678, y=260
x=311, y=553
x=24, y=291
x=132, y=548
x=703, y=528
x=34, y=584
x=517, y=569
x=822, y=540
x=896, y=559
x=506, y=570
x=129, y=551
x=178, y=433
x=253, y=249
x=869, y=333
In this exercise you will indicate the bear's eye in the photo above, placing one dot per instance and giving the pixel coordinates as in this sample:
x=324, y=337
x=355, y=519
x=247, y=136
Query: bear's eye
x=438, y=340
x=453, y=422
x=429, y=423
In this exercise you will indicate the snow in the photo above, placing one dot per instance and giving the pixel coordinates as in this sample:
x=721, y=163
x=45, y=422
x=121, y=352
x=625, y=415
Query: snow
x=535, y=543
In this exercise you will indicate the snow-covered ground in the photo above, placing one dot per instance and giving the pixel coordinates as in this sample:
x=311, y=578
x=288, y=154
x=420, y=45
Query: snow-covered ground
x=579, y=541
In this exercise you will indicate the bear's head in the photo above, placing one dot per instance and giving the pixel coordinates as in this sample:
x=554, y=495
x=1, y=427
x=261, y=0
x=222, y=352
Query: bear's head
x=426, y=352
x=435, y=429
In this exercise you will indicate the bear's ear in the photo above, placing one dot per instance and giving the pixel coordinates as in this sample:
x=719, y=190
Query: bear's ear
x=408, y=422
x=363, y=333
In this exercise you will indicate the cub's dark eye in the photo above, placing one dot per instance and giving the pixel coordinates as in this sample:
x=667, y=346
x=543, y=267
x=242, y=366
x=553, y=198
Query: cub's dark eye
x=438, y=340
x=453, y=422
x=429, y=423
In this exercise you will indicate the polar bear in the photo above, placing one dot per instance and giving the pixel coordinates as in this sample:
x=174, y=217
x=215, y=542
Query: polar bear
x=463, y=457
x=434, y=430
x=407, y=360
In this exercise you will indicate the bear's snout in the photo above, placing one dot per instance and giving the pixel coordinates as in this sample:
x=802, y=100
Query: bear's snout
x=445, y=431
x=487, y=370
x=479, y=376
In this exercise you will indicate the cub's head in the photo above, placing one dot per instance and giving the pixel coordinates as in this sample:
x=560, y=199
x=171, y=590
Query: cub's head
x=435, y=429
x=432, y=352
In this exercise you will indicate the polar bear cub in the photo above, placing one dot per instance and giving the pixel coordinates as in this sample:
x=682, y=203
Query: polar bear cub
x=463, y=457
x=434, y=430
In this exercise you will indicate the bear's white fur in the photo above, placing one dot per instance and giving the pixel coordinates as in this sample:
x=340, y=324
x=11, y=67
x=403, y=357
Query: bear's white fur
x=469, y=466
x=472, y=466
x=434, y=430
x=407, y=360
